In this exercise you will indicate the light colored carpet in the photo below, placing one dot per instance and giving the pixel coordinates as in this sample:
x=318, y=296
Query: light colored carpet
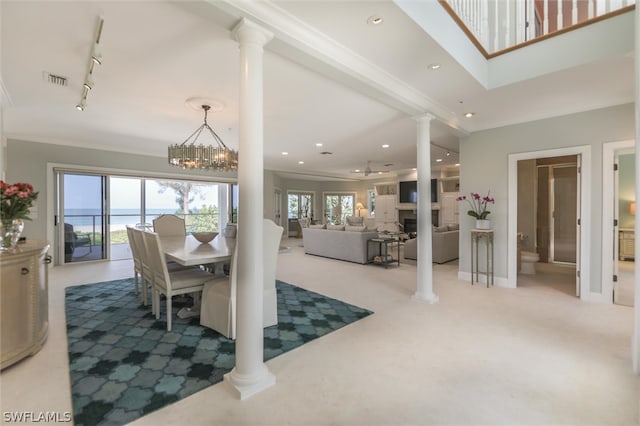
x=526, y=356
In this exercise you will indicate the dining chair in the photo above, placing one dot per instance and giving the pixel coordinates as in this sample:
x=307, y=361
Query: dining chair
x=146, y=275
x=218, y=306
x=135, y=254
x=170, y=283
x=169, y=225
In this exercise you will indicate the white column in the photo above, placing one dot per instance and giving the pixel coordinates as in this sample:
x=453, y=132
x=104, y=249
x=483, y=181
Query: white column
x=250, y=375
x=424, y=287
x=635, y=343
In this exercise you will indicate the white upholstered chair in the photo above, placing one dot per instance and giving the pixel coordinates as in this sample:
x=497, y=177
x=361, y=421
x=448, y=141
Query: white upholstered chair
x=137, y=264
x=169, y=225
x=218, y=309
x=170, y=283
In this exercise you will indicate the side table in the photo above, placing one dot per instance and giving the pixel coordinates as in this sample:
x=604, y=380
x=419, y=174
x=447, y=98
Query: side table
x=383, y=250
x=487, y=236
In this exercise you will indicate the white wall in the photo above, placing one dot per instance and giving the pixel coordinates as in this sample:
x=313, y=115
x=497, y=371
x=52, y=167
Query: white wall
x=484, y=164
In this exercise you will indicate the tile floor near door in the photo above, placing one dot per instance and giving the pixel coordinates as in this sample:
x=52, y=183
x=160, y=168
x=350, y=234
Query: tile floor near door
x=479, y=356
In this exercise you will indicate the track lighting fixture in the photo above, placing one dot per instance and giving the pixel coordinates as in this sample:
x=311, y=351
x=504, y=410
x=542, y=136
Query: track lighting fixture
x=94, y=59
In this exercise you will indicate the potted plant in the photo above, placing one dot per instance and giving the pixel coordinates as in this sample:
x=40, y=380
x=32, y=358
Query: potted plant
x=478, y=208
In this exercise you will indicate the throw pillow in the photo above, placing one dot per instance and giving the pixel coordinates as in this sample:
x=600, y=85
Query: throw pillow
x=355, y=228
x=318, y=226
x=335, y=227
x=442, y=228
x=355, y=220
x=455, y=227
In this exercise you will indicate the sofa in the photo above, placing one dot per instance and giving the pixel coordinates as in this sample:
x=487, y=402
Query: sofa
x=445, y=240
x=348, y=244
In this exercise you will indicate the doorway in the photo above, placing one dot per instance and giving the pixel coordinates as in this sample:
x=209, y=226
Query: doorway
x=618, y=212
x=582, y=277
x=548, y=212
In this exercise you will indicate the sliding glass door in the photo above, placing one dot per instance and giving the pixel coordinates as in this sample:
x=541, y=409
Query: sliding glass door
x=81, y=217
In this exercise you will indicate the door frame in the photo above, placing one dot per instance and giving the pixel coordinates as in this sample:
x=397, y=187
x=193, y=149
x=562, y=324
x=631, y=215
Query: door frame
x=583, y=151
x=609, y=152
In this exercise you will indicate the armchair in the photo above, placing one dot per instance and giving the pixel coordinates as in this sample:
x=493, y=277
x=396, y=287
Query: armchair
x=73, y=240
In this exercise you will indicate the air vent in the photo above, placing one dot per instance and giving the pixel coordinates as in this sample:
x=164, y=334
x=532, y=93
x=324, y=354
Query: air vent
x=326, y=153
x=54, y=79
x=388, y=165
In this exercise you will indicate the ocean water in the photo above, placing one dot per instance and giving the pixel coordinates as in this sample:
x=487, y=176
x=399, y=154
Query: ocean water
x=86, y=218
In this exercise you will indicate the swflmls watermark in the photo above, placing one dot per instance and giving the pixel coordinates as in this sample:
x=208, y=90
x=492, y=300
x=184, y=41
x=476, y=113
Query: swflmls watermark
x=36, y=416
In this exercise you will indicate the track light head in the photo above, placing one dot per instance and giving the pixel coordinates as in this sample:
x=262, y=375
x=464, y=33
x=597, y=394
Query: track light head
x=80, y=106
x=97, y=59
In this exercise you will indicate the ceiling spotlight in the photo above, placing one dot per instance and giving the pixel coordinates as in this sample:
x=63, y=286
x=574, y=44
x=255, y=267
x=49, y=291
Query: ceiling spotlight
x=318, y=145
x=80, y=106
x=469, y=114
x=97, y=59
x=285, y=153
x=434, y=66
x=386, y=145
x=300, y=162
x=438, y=160
x=357, y=170
x=374, y=20
x=87, y=85
x=457, y=164
x=448, y=154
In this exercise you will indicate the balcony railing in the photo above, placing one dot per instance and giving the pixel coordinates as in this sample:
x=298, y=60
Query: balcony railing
x=499, y=26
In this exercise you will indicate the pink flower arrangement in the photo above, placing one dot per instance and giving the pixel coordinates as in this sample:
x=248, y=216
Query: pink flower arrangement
x=16, y=200
x=478, y=204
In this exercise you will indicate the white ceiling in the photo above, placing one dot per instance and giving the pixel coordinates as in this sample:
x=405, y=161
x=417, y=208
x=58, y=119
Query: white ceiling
x=158, y=54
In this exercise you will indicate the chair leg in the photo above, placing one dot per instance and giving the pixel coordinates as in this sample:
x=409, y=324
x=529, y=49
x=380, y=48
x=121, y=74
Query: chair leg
x=135, y=281
x=144, y=290
x=157, y=296
x=169, y=312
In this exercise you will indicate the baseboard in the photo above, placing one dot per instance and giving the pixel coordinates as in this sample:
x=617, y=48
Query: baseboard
x=482, y=279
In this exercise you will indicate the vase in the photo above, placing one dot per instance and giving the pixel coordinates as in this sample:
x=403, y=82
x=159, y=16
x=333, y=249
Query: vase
x=10, y=233
x=483, y=224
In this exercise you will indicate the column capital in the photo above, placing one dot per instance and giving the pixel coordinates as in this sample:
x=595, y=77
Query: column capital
x=425, y=117
x=247, y=31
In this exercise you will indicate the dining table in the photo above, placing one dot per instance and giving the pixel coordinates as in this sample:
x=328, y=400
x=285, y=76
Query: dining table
x=187, y=251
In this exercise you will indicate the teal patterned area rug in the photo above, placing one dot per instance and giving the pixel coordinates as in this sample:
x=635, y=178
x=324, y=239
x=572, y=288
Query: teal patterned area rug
x=125, y=364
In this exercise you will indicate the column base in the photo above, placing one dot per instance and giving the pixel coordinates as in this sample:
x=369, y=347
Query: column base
x=246, y=386
x=429, y=298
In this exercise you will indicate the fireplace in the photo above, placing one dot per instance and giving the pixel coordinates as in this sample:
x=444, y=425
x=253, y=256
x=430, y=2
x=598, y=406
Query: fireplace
x=410, y=225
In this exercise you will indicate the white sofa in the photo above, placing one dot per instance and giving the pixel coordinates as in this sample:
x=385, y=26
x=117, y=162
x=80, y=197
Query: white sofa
x=445, y=241
x=343, y=245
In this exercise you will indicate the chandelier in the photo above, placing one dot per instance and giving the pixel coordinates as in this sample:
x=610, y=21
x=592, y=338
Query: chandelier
x=188, y=155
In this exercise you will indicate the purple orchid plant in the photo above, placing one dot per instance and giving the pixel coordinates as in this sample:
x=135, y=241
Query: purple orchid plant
x=478, y=204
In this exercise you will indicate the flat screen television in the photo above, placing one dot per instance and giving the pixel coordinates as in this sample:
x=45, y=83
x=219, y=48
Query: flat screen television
x=409, y=191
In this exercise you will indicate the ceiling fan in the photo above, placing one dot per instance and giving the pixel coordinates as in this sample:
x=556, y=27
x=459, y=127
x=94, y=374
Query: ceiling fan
x=368, y=171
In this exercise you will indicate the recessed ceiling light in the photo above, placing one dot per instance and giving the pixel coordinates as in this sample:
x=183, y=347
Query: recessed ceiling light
x=457, y=164
x=448, y=153
x=379, y=173
x=414, y=168
x=438, y=160
x=469, y=114
x=300, y=162
x=285, y=153
x=318, y=145
x=434, y=66
x=375, y=20
x=357, y=170
x=386, y=145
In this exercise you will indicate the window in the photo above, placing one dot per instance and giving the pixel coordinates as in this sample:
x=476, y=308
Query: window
x=337, y=206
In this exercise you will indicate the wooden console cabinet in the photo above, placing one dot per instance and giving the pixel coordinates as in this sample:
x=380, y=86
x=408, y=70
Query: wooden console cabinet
x=24, y=299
